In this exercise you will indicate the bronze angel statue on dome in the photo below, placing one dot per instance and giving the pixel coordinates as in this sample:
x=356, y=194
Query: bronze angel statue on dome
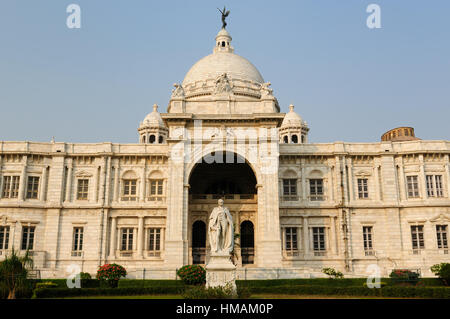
x=225, y=14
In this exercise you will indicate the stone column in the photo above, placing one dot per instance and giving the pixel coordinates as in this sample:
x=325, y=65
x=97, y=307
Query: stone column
x=102, y=185
x=1, y=176
x=96, y=184
x=350, y=179
x=401, y=180
x=345, y=180
x=68, y=194
x=108, y=181
x=140, y=237
x=43, y=184
x=23, y=177
x=143, y=184
x=305, y=235
x=330, y=184
x=333, y=235
x=376, y=181
x=422, y=179
x=447, y=170
x=283, y=238
x=303, y=177
x=176, y=238
x=113, y=246
x=51, y=236
x=116, y=182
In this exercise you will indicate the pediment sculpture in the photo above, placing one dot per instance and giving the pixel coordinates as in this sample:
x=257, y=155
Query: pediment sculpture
x=266, y=90
x=177, y=91
x=223, y=84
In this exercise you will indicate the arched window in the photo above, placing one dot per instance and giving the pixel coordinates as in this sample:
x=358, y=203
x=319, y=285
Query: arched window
x=247, y=242
x=152, y=139
x=223, y=43
x=303, y=139
x=294, y=139
x=198, y=242
x=156, y=191
x=285, y=139
x=160, y=139
x=129, y=188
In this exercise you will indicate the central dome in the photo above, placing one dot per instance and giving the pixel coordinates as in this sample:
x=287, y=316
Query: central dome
x=222, y=60
x=214, y=65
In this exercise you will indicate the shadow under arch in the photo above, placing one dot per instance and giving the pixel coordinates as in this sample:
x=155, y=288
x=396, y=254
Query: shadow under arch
x=222, y=172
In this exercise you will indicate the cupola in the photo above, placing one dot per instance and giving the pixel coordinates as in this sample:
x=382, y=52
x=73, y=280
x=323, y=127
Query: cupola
x=153, y=130
x=293, y=129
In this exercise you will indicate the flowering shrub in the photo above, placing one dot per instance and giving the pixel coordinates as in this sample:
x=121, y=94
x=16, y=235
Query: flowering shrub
x=111, y=273
x=192, y=274
x=442, y=270
x=404, y=275
x=332, y=273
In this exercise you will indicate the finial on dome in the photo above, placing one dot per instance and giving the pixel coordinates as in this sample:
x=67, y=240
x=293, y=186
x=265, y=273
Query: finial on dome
x=291, y=107
x=155, y=107
x=225, y=14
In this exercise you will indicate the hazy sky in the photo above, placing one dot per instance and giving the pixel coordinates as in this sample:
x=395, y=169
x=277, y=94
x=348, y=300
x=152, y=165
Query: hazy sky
x=349, y=82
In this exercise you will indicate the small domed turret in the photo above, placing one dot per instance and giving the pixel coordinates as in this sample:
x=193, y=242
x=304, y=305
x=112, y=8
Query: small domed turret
x=153, y=130
x=293, y=129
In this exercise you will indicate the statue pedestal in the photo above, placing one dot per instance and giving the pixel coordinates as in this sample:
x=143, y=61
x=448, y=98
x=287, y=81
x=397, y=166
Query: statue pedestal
x=220, y=271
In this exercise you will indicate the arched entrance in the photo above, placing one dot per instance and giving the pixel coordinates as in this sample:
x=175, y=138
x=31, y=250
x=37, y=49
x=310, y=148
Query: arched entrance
x=198, y=242
x=247, y=242
x=230, y=177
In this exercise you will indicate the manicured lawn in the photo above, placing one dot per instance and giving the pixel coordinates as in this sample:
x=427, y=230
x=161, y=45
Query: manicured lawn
x=255, y=296
x=271, y=296
x=129, y=297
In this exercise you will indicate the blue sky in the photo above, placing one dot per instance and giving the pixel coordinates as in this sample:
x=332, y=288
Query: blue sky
x=349, y=82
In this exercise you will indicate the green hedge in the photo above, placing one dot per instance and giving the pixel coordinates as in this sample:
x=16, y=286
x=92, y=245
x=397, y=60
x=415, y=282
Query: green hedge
x=350, y=282
x=81, y=292
x=421, y=292
x=62, y=283
x=139, y=283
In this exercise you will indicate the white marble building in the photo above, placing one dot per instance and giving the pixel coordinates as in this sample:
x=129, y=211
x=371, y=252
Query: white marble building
x=298, y=206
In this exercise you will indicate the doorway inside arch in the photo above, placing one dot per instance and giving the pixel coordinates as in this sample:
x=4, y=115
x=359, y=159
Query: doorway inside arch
x=198, y=242
x=247, y=242
x=231, y=178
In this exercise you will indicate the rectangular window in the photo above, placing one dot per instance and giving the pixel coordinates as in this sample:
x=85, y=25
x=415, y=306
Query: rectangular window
x=319, y=239
x=418, y=242
x=290, y=189
x=83, y=189
x=32, y=187
x=154, y=242
x=28, y=237
x=129, y=190
x=10, y=186
x=434, y=186
x=363, y=189
x=4, y=237
x=441, y=232
x=77, y=239
x=367, y=239
x=291, y=238
x=127, y=239
x=316, y=189
x=413, y=186
x=156, y=189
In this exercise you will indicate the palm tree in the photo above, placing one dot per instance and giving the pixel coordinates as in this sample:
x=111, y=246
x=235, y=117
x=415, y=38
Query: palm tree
x=13, y=272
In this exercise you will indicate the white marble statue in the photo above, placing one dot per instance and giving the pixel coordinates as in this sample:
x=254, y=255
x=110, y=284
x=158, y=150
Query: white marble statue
x=221, y=230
